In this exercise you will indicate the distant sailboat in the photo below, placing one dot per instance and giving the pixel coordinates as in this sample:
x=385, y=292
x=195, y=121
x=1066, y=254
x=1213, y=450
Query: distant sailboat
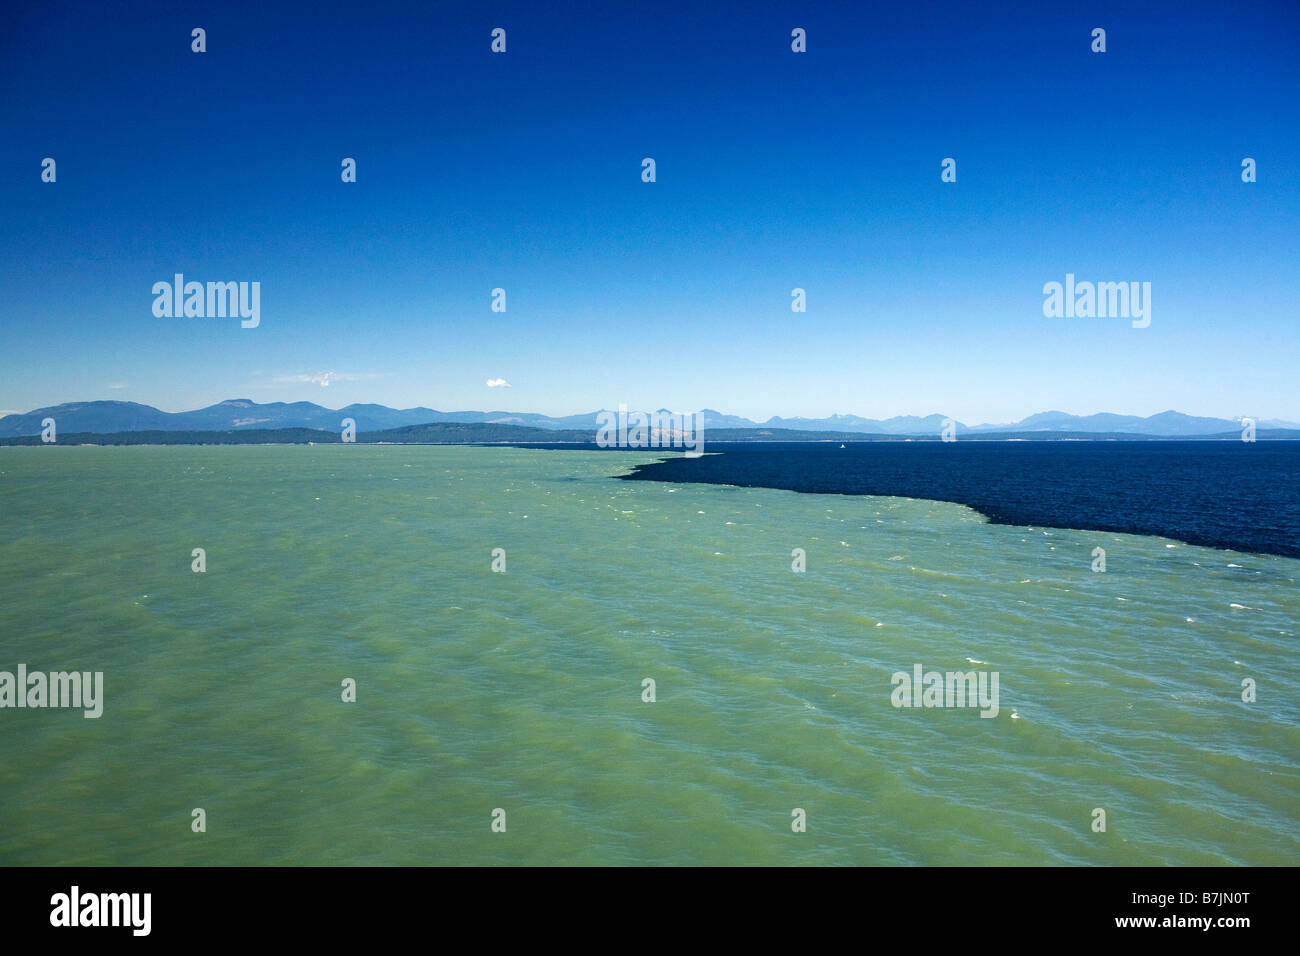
x=841, y=446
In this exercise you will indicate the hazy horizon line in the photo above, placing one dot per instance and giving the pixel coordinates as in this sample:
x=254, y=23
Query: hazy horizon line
x=4, y=413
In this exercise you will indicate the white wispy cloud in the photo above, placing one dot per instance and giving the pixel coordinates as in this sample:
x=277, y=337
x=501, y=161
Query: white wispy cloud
x=498, y=383
x=116, y=385
x=325, y=379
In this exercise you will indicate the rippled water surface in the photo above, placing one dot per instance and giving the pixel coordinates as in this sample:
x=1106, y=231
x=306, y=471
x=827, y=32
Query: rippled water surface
x=523, y=691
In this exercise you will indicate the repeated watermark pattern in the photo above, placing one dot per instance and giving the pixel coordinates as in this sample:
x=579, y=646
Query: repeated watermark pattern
x=1107, y=300
x=36, y=689
x=220, y=300
x=659, y=429
x=915, y=689
x=922, y=688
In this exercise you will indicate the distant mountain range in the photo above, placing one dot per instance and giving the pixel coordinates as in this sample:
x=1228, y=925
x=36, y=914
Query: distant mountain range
x=107, y=417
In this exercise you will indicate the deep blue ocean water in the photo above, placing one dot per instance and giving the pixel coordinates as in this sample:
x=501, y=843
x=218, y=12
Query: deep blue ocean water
x=1222, y=494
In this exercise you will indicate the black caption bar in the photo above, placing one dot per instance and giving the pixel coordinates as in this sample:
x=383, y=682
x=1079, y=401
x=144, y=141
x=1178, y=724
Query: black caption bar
x=169, y=906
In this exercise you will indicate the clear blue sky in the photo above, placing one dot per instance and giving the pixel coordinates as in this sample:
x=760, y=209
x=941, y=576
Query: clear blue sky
x=775, y=170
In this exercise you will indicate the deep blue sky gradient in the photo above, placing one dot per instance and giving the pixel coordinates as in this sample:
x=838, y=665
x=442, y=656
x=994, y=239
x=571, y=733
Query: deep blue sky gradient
x=775, y=170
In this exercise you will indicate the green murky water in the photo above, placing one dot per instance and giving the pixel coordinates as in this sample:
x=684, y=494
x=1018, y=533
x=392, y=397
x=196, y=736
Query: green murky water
x=523, y=691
